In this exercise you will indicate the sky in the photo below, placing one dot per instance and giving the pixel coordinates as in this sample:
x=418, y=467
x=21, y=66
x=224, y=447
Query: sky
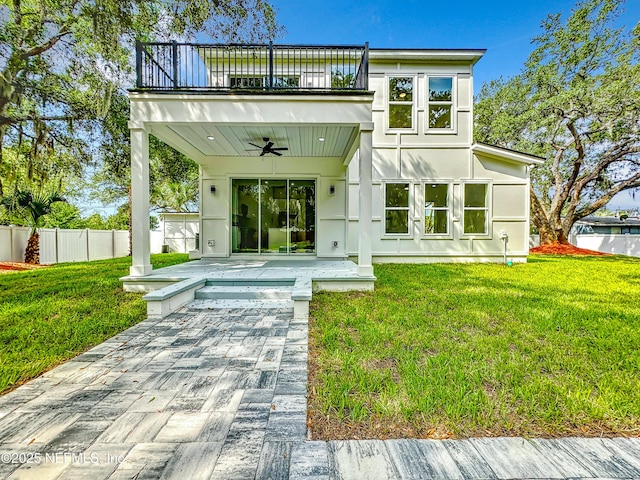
x=503, y=28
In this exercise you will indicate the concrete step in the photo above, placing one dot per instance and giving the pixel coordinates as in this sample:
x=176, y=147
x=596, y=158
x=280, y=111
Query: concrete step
x=216, y=304
x=244, y=292
x=264, y=282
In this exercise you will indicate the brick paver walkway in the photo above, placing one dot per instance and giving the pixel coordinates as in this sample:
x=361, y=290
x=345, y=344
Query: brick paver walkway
x=196, y=394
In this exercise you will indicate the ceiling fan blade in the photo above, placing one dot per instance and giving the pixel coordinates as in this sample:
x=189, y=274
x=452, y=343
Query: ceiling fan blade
x=275, y=153
x=254, y=145
x=262, y=153
x=268, y=145
x=279, y=148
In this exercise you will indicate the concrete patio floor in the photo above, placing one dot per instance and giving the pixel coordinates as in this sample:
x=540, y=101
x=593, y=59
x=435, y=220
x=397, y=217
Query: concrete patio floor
x=342, y=274
x=222, y=394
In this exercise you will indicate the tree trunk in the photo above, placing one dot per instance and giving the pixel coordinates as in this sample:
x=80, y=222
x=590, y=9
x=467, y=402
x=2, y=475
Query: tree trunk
x=551, y=230
x=552, y=234
x=32, y=253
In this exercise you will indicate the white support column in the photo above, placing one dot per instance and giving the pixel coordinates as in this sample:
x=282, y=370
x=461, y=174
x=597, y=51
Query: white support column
x=141, y=256
x=365, y=267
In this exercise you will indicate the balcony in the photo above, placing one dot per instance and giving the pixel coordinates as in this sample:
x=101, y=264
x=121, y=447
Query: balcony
x=261, y=69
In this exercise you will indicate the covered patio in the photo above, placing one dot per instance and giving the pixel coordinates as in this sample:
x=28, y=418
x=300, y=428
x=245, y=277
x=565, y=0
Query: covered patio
x=287, y=199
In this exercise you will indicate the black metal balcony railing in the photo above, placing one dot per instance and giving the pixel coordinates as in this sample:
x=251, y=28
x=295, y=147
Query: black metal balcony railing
x=188, y=66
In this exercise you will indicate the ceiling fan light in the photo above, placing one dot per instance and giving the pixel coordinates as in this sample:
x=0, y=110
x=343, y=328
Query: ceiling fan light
x=211, y=137
x=321, y=139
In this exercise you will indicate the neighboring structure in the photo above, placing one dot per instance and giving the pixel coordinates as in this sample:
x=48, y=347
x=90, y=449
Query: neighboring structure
x=329, y=152
x=178, y=232
x=616, y=235
x=608, y=225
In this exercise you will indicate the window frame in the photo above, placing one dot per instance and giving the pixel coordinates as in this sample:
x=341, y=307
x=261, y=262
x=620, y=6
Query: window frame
x=413, y=103
x=449, y=209
x=487, y=208
x=407, y=208
x=453, y=102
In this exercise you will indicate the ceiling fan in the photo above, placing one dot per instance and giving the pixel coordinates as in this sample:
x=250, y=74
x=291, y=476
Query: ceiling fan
x=268, y=148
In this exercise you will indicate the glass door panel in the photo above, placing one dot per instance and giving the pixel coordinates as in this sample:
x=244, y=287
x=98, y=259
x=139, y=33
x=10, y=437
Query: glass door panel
x=245, y=198
x=302, y=216
x=273, y=216
x=274, y=221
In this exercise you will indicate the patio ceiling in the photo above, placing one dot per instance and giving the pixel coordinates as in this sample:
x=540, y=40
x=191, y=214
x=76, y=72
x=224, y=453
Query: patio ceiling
x=204, y=140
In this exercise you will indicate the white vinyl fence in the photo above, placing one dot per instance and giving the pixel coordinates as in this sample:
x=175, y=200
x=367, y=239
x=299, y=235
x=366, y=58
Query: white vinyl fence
x=619, y=244
x=58, y=245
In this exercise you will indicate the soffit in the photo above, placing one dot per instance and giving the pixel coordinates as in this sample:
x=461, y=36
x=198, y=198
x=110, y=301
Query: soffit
x=233, y=140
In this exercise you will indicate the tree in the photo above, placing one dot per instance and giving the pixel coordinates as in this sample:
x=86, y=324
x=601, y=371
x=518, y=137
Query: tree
x=173, y=177
x=576, y=103
x=61, y=61
x=34, y=206
x=64, y=215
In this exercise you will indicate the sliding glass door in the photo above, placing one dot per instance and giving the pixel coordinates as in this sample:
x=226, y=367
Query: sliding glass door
x=273, y=216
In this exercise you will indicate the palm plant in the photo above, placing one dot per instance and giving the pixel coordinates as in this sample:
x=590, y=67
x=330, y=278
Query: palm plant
x=33, y=206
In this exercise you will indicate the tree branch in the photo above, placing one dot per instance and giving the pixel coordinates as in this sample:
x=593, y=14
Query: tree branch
x=39, y=49
x=633, y=182
x=5, y=121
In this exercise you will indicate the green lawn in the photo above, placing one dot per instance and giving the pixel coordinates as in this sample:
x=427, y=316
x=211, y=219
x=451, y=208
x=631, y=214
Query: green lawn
x=52, y=314
x=547, y=348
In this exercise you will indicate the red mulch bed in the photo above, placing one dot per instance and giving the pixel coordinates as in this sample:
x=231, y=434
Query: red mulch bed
x=17, y=266
x=564, y=249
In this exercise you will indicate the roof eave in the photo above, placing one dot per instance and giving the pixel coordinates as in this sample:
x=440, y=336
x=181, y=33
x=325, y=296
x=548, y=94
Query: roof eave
x=506, y=154
x=427, y=55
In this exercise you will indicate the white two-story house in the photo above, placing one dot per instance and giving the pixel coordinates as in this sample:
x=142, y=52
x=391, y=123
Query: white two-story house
x=329, y=152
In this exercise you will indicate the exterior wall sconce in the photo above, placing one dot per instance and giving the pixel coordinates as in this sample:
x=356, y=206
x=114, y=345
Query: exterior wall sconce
x=332, y=189
x=213, y=189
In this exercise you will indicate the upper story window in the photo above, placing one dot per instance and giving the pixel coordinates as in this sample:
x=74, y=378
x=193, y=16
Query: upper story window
x=396, y=209
x=440, y=100
x=476, y=209
x=436, y=208
x=246, y=82
x=400, y=102
x=279, y=81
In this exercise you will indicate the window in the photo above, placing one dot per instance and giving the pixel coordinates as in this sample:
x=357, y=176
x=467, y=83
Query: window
x=400, y=102
x=476, y=210
x=436, y=208
x=279, y=81
x=440, y=100
x=396, y=208
x=246, y=82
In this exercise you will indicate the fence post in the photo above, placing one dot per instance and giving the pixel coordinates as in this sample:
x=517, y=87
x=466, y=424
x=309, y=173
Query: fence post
x=57, y=244
x=138, y=64
x=113, y=244
x=366, y=66
x=11, y=241
x=270, y=65
x=174, y=48
x=88, y=256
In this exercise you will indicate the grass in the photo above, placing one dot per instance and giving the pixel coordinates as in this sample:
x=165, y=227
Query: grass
x=547, y=348
x=52, y=314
